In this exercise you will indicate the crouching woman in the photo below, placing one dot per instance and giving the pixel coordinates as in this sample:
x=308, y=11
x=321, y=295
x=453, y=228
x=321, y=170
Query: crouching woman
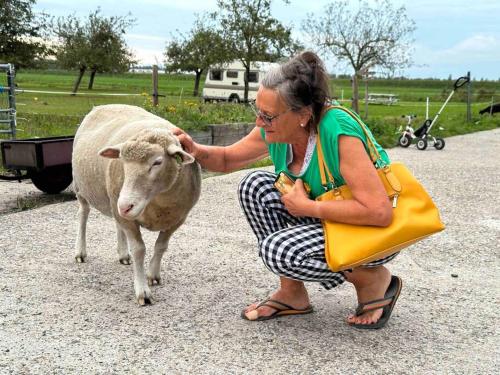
x=290, y=109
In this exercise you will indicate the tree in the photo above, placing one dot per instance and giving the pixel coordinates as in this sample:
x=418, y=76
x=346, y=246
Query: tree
x=252, y=33
x=74, y=49
x=369, y=37
x=96, y=44
x=201, y=48
x=109, y=49
x=22, y=33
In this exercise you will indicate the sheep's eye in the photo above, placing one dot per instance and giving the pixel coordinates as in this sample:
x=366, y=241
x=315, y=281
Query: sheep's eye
x=157, y=162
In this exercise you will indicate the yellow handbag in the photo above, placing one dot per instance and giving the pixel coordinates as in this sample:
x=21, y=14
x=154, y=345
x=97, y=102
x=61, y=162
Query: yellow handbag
x=415, y=215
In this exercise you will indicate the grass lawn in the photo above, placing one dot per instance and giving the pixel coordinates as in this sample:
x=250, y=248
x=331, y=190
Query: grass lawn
x=42, y=115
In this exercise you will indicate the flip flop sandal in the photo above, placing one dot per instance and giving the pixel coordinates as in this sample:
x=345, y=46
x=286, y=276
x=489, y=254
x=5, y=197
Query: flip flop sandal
x=387, y=304
x=282, y=309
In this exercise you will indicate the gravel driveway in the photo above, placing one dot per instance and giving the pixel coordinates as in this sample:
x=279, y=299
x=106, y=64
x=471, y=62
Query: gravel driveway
x=60, y=317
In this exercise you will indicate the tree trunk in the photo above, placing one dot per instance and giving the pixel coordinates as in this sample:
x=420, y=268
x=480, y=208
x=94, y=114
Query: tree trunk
x=355, y=93
x=79, y=79
x=247, y=74
x=197, y=83
x=92, y=76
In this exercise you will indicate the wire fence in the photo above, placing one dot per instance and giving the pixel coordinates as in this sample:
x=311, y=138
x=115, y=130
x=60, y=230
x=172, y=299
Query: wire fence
x=74, y=93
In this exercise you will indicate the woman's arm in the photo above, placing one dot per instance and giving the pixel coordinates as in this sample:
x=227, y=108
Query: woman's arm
x=370, y=204
x=226, y=158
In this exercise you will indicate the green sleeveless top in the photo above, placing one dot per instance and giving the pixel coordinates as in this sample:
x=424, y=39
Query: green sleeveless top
x=333, y=124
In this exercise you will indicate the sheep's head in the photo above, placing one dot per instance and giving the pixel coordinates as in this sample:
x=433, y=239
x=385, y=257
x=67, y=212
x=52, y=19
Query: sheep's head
x=151, y=163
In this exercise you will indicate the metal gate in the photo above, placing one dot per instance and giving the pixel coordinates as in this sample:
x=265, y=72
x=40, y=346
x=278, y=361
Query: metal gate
x=8, y=108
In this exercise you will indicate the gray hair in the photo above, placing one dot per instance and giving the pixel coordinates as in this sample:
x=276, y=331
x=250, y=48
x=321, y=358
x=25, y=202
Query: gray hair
x=302, y=81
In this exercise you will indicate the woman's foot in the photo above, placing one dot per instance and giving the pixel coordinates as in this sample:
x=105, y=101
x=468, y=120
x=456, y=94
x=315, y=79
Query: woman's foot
x=291, y=292
x=371, y=284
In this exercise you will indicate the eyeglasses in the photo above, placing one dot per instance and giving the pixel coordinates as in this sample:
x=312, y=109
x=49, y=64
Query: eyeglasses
x=266, y=119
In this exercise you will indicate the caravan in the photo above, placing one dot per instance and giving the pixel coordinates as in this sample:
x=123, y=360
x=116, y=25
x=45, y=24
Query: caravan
x=227, y=82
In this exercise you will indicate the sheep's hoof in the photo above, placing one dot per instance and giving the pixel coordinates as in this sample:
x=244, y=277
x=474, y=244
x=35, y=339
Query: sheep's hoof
x=126, y=261
x=144, y=297
x=154, y=281
x=80, y=259
x=146, y=301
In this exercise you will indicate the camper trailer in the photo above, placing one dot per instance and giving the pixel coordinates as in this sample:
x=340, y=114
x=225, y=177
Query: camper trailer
x=227, y=82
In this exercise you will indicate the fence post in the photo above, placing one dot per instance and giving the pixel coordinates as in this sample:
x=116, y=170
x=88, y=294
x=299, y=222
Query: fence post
x=155, y=85
x=11, y=73
x=366, y=96
x=355, y=93
x=469, y=98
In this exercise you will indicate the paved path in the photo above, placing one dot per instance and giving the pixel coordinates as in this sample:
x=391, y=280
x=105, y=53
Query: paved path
x=60, y=317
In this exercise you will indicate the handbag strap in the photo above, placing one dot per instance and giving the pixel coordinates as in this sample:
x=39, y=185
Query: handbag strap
x=323, y=167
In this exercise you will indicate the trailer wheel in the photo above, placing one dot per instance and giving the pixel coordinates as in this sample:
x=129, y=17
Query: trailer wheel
x=234, y=98
x=439, y=144
x=422, y=144
x=404, y=140
x=52, y=180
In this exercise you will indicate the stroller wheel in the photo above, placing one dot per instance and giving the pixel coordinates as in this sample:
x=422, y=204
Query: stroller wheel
x=439, y=144
x=422, y=144
x=404, y=140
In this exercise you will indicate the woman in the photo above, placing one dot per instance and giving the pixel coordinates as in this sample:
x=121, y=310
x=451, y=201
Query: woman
x=290, y=109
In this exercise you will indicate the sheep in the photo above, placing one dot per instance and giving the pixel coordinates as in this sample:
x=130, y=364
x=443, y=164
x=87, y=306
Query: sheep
x=128, y=165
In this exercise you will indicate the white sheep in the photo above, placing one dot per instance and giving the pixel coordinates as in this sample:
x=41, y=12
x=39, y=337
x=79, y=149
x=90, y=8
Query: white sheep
x=128, y=165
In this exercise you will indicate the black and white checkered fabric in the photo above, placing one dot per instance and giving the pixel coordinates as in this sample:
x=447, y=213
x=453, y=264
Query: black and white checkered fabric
x=289, y=246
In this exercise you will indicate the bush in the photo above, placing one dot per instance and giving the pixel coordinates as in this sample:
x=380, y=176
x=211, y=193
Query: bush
x=195, y=115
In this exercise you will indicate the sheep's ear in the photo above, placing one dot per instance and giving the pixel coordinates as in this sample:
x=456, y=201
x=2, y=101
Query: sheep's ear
x=182, y=156
x=112, y=152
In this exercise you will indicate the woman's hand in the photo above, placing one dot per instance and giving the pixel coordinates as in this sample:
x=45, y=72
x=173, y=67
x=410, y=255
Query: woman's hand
x=297, y=201
x=186, y=141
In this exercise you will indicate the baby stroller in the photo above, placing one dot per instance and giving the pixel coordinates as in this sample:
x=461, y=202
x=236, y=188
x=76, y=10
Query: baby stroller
x=422, y=134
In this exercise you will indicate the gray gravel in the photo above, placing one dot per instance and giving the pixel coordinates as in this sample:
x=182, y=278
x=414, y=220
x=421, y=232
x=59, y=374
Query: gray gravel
x=60, y=317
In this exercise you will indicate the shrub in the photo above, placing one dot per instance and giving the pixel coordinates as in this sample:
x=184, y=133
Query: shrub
x=195, y=115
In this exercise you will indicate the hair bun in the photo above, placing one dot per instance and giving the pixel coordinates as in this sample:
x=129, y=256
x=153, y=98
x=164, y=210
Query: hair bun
x=311, y=59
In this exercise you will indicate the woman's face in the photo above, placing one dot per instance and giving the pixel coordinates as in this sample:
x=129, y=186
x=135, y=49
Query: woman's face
x=280, y=123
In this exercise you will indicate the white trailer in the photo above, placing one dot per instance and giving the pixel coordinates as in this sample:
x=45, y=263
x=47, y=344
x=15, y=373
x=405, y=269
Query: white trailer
x=227, y=82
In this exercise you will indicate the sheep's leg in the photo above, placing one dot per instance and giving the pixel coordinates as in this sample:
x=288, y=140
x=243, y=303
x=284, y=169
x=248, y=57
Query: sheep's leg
x=122, y=246
x=81, y=243
x=138, y=250
x=161, y=245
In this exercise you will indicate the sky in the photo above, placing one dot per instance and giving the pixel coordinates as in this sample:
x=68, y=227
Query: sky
x=452, y=37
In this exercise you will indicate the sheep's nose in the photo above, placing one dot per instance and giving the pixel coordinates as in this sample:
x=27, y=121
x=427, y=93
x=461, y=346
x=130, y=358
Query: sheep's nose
x=124, y=210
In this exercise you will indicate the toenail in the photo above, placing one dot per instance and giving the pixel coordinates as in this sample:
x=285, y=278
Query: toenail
x=252, y=315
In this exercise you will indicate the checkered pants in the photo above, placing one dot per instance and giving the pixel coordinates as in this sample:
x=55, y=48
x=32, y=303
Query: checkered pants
x=289, y=246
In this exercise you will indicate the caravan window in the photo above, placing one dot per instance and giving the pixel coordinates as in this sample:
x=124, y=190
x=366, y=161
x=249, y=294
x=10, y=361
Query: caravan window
x=232, y=74
x=253, y=77
x=216, y=75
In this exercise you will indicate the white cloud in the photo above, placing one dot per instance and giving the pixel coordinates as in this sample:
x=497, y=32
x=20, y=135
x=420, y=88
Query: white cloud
x=447, y=8
x=477, y=48
x=176, y=4
x=194, y=5
x=145, y=37
x=145, y=56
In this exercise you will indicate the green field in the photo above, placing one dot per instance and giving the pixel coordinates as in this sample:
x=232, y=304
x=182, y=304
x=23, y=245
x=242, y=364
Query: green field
x=41, y=115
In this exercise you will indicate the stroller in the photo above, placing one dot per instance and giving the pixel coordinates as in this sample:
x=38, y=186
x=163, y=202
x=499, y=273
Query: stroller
x=422, y=134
